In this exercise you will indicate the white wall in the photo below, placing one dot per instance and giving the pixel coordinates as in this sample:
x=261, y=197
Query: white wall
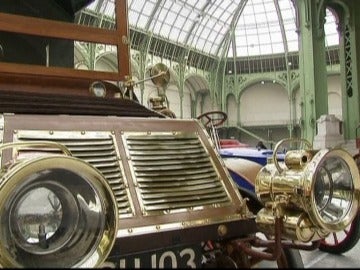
x=264, y=104
x=172, y=94
x=334, y=99
x=232, y=110
x=207, y=104
x=187, y=104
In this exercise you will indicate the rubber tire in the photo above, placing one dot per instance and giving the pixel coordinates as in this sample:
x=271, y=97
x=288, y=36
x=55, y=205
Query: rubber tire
x=347, y=243
x=293, y=258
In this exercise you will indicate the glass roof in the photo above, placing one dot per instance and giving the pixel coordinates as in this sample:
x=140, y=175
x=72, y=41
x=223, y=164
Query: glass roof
x=220, y=28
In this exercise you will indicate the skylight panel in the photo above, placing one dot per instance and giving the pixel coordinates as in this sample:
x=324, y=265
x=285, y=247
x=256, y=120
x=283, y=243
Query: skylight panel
x=205, y=24
x=330, y=28
x=140, y=12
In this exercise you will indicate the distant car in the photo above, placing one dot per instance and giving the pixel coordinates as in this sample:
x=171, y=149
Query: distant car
x=251, y=153
x=243, y=164
x=231, y=143
x=234, y=159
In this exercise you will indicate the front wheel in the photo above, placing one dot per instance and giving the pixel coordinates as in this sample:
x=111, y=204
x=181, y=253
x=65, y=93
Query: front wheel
x=340, y=242
x=291, y=258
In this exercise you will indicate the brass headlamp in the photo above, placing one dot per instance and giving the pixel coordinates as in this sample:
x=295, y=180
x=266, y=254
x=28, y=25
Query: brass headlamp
x=56, y=210
x=315, y=192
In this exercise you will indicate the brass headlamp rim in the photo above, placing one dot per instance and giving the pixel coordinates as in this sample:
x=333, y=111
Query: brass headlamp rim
x=13, y=180
x=309, y=186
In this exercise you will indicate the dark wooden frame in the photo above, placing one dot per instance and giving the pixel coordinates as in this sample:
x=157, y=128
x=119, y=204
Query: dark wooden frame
x=35, y=26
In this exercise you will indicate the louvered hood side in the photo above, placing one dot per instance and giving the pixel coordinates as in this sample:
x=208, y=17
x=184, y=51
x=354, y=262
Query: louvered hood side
x=165, y=173
x=173, y=172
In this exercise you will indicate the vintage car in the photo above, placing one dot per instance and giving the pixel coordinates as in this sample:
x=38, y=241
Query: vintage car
x=244, y=162
x=91, y=178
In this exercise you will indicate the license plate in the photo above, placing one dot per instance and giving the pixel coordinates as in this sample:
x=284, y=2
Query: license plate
x=179, y=257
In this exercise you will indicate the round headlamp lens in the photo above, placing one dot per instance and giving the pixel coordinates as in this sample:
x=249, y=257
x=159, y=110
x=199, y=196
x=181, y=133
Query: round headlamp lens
x=38, y=216
x=333, y=190
x=57, y=212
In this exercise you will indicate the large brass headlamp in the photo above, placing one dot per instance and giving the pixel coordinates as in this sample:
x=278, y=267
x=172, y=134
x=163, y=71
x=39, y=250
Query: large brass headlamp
x=56, y=211
x=315, y=192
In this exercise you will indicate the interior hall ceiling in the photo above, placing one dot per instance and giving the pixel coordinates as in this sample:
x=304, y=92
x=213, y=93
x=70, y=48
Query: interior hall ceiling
x=217, y=28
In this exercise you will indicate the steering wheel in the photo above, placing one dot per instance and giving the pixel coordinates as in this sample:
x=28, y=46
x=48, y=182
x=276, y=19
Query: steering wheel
x=213, y=118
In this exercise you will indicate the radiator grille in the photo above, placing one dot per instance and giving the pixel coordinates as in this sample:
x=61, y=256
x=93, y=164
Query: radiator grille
x=97, y=148
x=173, y=172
